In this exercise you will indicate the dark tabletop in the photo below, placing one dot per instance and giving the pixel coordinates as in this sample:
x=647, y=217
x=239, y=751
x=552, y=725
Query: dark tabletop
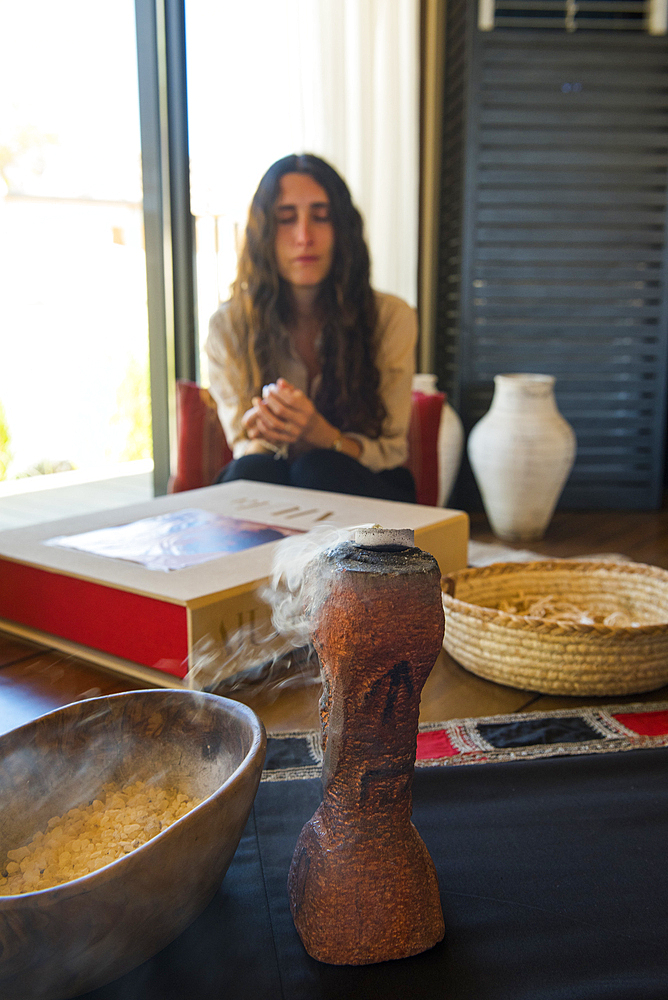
x=553, y=878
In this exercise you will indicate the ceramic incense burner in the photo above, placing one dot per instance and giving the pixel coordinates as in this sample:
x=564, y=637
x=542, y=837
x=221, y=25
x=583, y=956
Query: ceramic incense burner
x=362, y=885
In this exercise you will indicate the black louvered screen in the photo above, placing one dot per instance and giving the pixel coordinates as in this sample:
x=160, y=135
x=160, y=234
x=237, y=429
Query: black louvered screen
x=562, y=223
x=453, y=167
x=568, y=15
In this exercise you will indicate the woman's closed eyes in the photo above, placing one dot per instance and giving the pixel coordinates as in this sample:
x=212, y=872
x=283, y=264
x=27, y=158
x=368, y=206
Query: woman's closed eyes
x=287, y=214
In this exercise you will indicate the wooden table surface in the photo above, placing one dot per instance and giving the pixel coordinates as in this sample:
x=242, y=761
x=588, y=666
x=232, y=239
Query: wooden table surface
x=35, y=679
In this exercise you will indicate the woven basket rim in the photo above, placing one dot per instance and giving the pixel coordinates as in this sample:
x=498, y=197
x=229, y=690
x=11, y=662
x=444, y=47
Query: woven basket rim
x=553, y=626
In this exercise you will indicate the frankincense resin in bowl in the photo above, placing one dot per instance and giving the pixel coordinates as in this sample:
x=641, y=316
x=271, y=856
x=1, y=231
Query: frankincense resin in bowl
x=88, y=837
x=119, y=818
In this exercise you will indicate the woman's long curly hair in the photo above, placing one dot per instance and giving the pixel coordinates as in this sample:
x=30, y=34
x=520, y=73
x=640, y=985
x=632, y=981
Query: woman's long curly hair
x=260, y=306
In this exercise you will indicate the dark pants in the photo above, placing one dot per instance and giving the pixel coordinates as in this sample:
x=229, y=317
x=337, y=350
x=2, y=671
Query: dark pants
x=324, y=469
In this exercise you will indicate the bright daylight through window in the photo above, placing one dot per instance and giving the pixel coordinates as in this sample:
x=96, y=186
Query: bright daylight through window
x=74, y=373
x=265, y=78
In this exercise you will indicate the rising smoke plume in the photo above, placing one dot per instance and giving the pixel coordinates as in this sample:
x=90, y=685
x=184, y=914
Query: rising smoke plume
x=264, y=653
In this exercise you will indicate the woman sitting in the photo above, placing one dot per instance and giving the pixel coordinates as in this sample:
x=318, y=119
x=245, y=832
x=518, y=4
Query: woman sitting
x=310, y=368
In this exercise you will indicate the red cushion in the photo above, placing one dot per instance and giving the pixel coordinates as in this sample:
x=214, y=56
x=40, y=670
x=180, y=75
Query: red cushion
x=423, y=445
x=202, y=450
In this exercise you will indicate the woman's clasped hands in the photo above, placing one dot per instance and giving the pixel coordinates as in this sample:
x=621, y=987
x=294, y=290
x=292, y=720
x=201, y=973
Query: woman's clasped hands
x=283, y=415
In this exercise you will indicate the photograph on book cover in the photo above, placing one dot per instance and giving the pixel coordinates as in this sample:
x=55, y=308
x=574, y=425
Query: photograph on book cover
x=175, y=540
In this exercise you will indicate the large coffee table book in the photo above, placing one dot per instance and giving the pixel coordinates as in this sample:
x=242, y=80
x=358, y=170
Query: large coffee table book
x=119, y=600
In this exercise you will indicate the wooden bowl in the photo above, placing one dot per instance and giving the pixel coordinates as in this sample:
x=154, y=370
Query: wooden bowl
x=59, y=942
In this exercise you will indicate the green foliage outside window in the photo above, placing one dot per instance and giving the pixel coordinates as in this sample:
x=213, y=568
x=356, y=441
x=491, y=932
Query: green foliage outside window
x=134, y=412
x=5, y=438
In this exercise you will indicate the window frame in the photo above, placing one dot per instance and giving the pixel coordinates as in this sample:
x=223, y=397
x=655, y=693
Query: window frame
x=169, y=225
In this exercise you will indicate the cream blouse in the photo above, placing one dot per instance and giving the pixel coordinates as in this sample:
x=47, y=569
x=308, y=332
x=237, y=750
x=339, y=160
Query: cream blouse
x=396, y=332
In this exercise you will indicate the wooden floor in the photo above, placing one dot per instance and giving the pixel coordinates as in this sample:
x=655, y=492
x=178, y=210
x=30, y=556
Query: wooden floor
x=35, y=679
x=638, y=535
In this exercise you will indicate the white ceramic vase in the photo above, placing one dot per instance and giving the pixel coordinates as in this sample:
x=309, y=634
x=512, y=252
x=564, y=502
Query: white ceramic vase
x=521, y=453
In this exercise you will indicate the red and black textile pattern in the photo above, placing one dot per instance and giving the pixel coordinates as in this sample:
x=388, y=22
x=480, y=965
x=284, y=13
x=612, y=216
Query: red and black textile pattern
x=497, y=738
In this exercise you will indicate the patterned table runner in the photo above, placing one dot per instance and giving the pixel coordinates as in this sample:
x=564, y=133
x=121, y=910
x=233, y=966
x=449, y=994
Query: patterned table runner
x=496, y=738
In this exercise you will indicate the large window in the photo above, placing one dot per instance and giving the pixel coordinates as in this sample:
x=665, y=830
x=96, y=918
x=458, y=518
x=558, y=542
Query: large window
x=335, y=77
x=74, y=354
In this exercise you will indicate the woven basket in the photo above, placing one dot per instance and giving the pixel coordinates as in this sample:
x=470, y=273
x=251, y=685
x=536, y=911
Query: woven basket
x=556, y=657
